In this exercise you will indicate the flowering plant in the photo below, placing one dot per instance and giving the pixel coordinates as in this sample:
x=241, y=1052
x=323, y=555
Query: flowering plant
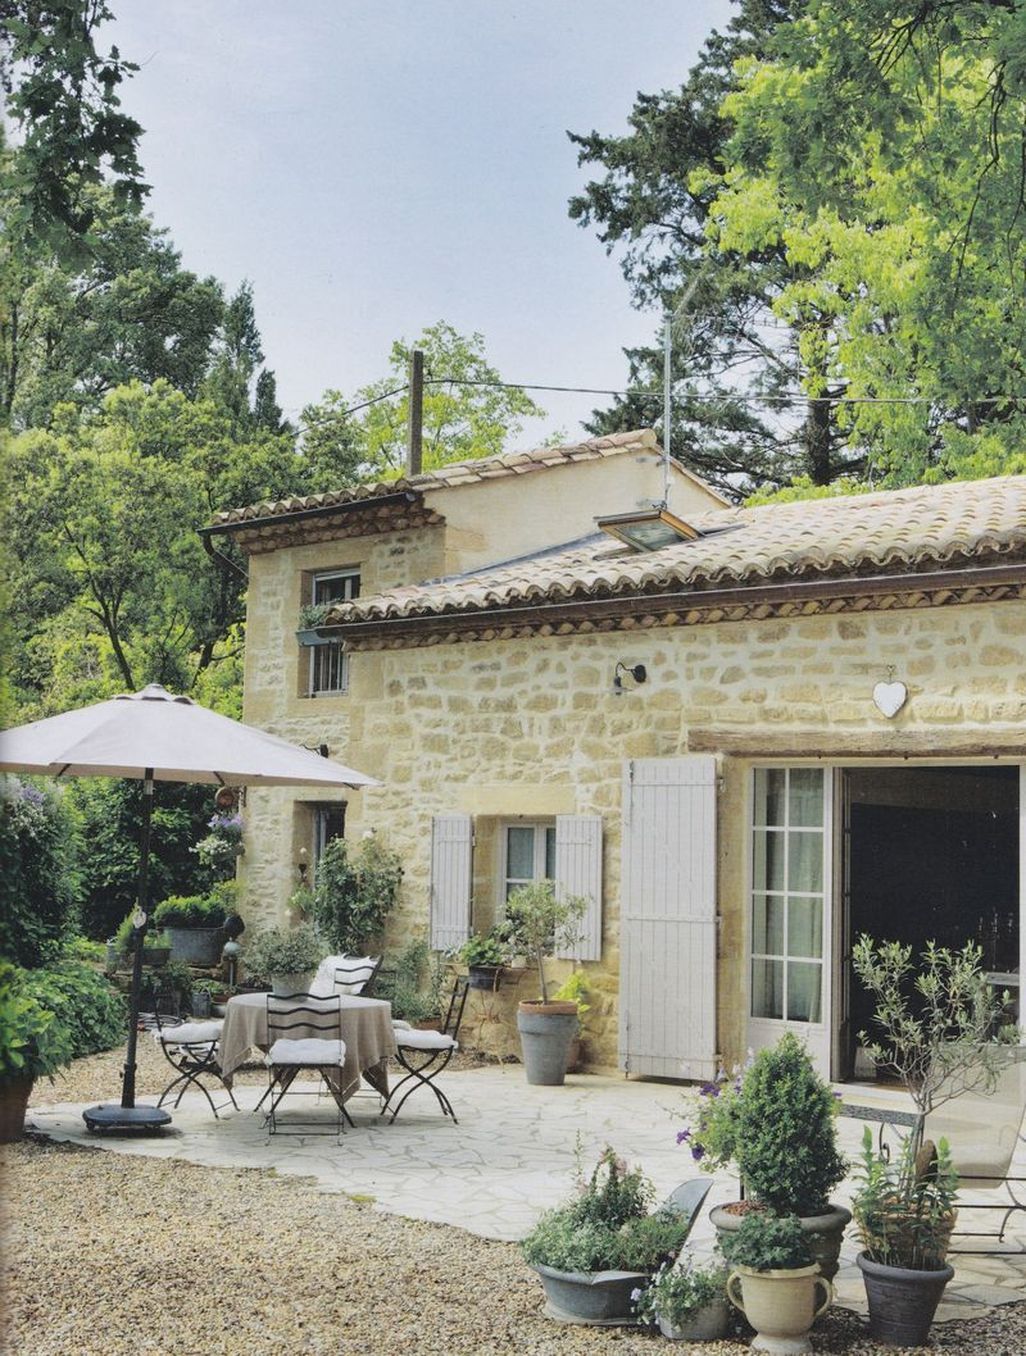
x=223, y=844
x=679, y=1290
x=713, y=1138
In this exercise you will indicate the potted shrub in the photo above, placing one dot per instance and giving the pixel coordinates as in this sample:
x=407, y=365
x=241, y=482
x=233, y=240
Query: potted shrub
x=686, y=1301
x=538, y=923
x=156, y=945
x=311, y=618
x=776, y=1282
x=33, y=1043
x=194, y=924
x=485, y=954
x=776, y=1122
x=596, y=1251
x=904, y=1211
x=287, y=957
x=205, y=993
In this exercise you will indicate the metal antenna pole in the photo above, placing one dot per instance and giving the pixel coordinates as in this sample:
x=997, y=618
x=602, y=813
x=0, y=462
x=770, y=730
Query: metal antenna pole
x=415, y=425
x=667, y=385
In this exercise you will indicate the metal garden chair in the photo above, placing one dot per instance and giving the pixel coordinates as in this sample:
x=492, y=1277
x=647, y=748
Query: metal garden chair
x=290, y=1053
x=192, y=1050
x=424, y=1054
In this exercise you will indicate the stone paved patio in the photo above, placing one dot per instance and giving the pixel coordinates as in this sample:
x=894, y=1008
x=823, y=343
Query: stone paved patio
x=512, y=1155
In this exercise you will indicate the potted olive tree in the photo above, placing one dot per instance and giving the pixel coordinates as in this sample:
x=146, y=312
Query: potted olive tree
x=776, y=1282
x=594, y=1253
x=287, y=957
x=539, y=921
x=776, y=1122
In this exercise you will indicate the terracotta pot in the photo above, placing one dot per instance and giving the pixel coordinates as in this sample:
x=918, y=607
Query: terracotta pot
x=14, y=1096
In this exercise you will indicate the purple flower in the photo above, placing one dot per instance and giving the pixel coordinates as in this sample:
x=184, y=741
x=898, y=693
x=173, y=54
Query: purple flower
x=709, y=1090
x=697, y=1152
x=32, y=794
x=683, y=1135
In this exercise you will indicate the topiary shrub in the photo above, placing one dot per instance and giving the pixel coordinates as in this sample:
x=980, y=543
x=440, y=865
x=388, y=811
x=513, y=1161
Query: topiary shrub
x=37, y=872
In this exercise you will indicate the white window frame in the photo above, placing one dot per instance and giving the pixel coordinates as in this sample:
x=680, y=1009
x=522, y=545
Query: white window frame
x=540, y=853
x=331, y=657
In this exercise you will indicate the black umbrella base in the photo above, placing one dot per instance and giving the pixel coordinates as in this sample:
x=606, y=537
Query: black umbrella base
x=113, y=1117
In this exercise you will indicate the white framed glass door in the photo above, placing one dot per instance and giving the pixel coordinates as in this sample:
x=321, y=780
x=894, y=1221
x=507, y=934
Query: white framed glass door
x=790, y=932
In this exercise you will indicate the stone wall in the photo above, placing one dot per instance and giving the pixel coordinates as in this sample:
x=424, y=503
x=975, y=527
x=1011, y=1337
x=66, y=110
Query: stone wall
x=532, y=727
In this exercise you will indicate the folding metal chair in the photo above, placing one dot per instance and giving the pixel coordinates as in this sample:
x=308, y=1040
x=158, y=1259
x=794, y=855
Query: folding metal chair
x=424, y=1054
x=192, y=1050
x=346, y=975
x=322, y=1052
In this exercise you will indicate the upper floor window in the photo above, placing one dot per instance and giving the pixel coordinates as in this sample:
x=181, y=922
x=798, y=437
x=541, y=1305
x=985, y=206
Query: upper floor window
x=329, y=664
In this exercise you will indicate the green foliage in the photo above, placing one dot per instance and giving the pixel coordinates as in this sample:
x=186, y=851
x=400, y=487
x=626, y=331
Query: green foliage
x=937, y=1022
x=776, y=1121
x=413, y=982
x=767, y=1242
x=904, y=1208
x=606, y=1225
x=189, y=911
x=283, y=951
x=575, y=989
x=85, y=1005
x=486, y=948
x=354, y=892
x=679, y=1290
x=38, y=883
x=33, y=1043
x=539, y=922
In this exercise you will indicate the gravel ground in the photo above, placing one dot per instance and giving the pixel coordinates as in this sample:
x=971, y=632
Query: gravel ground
x=115, y=1255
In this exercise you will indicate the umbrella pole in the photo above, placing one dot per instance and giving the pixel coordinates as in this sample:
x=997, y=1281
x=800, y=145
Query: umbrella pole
x=128, y=1077
x=128, y=1116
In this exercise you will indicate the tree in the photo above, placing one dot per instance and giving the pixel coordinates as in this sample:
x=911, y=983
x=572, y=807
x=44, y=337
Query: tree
x=62, y=93
x=467, y=413
x=880, y=147
x=736, y=367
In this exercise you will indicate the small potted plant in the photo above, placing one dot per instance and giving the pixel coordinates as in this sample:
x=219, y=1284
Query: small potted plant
x=33, y=1044
x=287, y=957
x=596, y=1251
x=575, y=989
x=194, y=924
x=311, y=618
x=904, y=1210
x=776, y=1121
x=687, y=1301
x=484, y=954
x=776, y=1282
x=539, y=922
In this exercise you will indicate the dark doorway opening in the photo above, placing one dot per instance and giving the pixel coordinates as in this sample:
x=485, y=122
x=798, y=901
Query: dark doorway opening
x=932, y=854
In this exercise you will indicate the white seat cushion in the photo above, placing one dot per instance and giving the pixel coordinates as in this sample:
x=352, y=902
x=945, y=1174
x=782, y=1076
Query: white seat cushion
x=399, y=1025
x=310, y=1051
x=191, y=1033
x=425, y=1040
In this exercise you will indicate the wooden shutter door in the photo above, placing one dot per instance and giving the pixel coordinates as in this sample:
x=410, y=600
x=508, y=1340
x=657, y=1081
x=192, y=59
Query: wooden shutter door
x=579, y=872
x=668, y=918
x=451, y=880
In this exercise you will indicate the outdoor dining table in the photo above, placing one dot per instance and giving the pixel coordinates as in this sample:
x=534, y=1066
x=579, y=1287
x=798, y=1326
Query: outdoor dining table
x=366, y=1031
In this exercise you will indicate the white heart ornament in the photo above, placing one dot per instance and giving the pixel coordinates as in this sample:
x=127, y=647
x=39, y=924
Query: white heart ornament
x=890, y=698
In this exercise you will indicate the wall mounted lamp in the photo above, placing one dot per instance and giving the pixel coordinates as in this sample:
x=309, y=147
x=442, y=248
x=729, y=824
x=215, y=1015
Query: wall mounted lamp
x=302, y=866
x=322, y=749
x=636, y=671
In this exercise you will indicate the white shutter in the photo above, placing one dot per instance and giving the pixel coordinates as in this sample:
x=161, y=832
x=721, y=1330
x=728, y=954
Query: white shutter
x=668, y=918
x=451, y=880
x=579, y=872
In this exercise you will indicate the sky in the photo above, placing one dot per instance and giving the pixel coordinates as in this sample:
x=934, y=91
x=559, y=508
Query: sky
x=373, y=167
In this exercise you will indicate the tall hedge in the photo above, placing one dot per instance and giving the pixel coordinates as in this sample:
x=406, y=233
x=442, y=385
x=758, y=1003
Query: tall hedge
x=84, y=1002
x=38, y=882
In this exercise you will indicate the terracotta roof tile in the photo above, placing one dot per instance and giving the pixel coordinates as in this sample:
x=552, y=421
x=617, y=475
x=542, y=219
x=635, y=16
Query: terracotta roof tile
x=913, y=529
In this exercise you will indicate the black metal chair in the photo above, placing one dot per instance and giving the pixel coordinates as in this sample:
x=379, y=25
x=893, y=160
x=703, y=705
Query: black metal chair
x=356, y=974
x=424, y=1054
x=290, y=1053
x=193, y=1051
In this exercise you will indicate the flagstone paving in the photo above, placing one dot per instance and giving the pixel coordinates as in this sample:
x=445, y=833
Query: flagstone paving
x=513, y=1154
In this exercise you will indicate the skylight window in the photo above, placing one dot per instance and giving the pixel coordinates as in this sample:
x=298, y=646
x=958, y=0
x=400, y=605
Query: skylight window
x=648, y=529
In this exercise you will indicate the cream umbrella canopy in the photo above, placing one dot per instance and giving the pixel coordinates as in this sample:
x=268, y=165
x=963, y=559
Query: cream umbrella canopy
x=153, y=736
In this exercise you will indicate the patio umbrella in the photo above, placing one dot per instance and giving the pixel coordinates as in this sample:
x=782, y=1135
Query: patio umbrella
x=155, y=736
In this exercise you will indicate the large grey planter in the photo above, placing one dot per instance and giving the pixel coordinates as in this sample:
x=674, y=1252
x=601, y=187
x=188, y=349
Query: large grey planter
x=196, y=946
x=546, y=1031
x=902, y=1302
x=596, y=1297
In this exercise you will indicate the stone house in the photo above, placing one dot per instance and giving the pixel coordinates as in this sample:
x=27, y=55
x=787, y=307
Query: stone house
x=746, y=740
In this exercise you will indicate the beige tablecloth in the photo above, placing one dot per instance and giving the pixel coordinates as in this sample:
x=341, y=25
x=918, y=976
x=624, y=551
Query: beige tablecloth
x=366, y=1031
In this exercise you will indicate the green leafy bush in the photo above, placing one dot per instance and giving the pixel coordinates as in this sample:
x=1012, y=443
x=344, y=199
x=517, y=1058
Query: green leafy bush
x=486, y=948
x=678, y=1291
x=85, y=1005
x=189, y=911
x=904, y=1207
x=606, y=1225
x=353, y=894
x=768, y=1242
x=38, y=883
x=413, y=982
x=33, y=1041
x=284, y=951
